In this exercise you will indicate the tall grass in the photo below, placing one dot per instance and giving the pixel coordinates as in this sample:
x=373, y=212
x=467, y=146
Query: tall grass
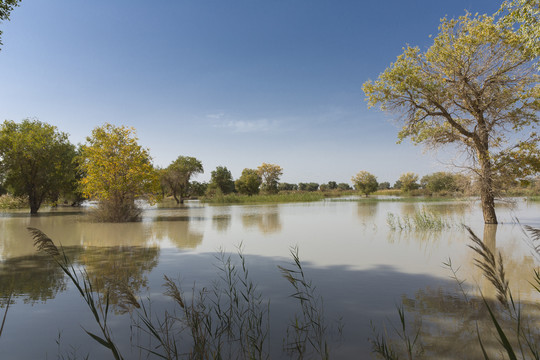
x=307, y=332
x=229, y=320
x=81, y=280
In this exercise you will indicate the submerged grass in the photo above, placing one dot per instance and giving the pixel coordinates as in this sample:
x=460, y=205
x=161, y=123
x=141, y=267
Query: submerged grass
x=421, y=221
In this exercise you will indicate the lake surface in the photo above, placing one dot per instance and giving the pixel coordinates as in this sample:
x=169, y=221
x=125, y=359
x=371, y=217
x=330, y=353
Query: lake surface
x=360, y=266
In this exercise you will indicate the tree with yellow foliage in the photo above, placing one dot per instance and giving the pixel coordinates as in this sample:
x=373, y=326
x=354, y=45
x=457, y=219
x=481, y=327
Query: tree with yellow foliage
x=117, y=171
x=270, y=175
x=476, y=88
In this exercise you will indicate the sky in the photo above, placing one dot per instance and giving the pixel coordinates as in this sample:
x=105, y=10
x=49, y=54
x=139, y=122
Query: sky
x=233, y=83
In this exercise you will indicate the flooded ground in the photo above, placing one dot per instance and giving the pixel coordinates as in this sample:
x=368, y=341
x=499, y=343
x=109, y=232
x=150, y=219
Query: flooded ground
x=362, y=267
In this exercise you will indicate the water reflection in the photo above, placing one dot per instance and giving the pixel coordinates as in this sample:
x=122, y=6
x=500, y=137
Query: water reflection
x=30, y=278
x=367, y=211
x=111, y=268
x=266, y=219
x=361, y=271
x=450, y=324
x=178, y=230
x=221, y=222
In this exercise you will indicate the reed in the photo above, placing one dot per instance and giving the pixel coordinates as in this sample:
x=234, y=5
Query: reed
x=420, y=221
x=81, y=280
x=409, y=343
x=230, y=320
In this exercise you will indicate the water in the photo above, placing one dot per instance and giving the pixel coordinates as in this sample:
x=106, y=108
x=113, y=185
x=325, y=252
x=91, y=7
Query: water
x=359, y=265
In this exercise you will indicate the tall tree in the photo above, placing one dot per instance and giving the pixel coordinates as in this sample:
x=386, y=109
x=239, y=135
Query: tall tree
x=36, y=160
x=178, y=174
x=365, y=182
x=6, y=6
x=475, y=87
x=249, y=182
x=117, y=171
x=408, y=181
x=222, y=179
x=270, y=175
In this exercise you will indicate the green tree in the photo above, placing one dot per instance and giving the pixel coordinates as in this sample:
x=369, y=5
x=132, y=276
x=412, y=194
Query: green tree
x=475, y=87
x=408, y=182
x=439, y=182
x=6, y=7
x=270, y=175
x=344, y=186
x=36, y=160
x=249, y=182
x=197, y=189
x=117, y=171
x=385, y=185
x=308, y=186
x=177, y=175
x=222, y=179
x=287, y=187
x=365, y=182
x=332, y=185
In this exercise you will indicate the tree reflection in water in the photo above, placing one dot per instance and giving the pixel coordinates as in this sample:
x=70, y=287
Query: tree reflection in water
x=110, y=269
x=449, y=325
x=267, y=220
x=38, y=278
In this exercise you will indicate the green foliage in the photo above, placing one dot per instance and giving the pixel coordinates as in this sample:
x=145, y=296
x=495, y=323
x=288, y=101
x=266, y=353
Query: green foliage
x=177, y=175
x=332, y=185
x=365, y=182
x=270, y=175
x=408, y=182
x=222, y=179
x=475, y=87
x=385, y=185
x=312, y=186
x=287, y=187
x=249, y=182
x=36, y=161
x=197, y=188
x=344, y=186
x=117, y=171
x=439, y=181
x=6, y=7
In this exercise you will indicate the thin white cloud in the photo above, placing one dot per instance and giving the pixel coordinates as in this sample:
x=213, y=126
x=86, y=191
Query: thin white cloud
x=216, y=116
x=248, y=126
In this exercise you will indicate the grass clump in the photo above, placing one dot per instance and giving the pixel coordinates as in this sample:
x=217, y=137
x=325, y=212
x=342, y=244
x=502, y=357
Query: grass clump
x=421, y=221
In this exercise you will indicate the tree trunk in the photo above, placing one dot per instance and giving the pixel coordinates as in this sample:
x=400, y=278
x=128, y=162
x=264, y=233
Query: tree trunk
x=34, y=204
x=486, y=190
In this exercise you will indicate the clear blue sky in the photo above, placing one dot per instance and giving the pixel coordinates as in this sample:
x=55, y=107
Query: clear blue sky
x=233, y=83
